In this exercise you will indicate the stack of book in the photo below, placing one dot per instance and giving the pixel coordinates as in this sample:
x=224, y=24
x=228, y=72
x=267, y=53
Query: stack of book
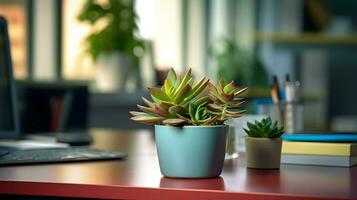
x=320, y=149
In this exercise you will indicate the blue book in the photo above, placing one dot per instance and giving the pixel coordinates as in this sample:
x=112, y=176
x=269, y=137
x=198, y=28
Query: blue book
x=319, y=137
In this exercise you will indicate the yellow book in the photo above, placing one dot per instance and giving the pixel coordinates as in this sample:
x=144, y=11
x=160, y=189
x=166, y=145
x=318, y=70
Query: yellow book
x=320, y=148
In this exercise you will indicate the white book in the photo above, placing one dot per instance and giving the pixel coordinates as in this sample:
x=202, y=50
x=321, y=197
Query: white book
x=300, y=159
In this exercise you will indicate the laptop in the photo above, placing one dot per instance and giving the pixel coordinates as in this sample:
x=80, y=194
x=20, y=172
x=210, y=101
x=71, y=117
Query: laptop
x=13, y=150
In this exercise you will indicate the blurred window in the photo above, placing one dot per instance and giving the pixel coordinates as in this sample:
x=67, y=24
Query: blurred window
x=16, y=14
x=76, y=63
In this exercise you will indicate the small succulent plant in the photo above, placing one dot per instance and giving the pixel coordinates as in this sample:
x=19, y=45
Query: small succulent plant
x=181, y=101
x=266, y=128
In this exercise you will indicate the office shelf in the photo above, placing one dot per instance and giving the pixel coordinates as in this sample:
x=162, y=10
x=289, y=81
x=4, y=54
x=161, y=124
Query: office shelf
x=257, y=93
x=307, y=38
x=265, y=93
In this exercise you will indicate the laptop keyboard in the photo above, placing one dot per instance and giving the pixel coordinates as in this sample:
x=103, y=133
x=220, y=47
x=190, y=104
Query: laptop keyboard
x=56, y=155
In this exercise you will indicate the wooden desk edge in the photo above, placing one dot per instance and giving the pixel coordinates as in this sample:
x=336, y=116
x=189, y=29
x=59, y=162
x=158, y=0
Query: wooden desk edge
x=125, y=192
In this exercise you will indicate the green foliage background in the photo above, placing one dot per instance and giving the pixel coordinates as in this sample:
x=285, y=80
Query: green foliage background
x=238, y=65
x=119, y=32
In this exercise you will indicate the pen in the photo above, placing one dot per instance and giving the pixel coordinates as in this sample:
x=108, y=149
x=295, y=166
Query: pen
x=276, y=97
x=287, y=78
x=275, y=91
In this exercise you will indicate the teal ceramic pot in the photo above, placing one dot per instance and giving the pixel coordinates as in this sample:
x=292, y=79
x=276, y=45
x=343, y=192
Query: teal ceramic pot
x=191, y=151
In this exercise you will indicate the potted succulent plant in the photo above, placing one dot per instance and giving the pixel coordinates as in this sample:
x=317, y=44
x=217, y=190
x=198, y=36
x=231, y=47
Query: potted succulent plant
x=189, y=124
x=263, y=144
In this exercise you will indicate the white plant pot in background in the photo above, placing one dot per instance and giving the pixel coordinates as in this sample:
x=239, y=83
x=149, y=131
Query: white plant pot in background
x=115, y=71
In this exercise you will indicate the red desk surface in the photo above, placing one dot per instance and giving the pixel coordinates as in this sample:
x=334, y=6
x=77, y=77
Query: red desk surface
x=139, y=177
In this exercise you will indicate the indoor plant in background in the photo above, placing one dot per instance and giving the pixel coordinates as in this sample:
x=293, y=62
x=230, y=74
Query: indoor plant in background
x=112, y=43
x=234, y=63
x=189, y=123
x=263, y=144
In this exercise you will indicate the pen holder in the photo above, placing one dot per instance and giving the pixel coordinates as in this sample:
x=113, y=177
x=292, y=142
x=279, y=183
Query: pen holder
x=279, y=113
x=293, y=117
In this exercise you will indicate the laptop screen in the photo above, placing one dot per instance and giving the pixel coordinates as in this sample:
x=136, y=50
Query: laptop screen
x=8, y=124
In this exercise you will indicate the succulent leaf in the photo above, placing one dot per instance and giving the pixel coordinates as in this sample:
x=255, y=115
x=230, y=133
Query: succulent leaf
x=166, y=105
x=168, y=88
x=147, y=102
x=158, y=94
x=229, y=88
x=196, y=91
x=161, y=111
x=184, y=81
x=215, y=107
x=187, y=119
x=192, y=110
x=199, y=114
x=147, y=119
x=214, y=113
x=182, y=94
x=135, y=113
x=146, y=109
x=241, y=91
x=177, y=110
x=227, y=97
x=171, y=77
x=198, y=84
x=173, y=121
x=210, y=121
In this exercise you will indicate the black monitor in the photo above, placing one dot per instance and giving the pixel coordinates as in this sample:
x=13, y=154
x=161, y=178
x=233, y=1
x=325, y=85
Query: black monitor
x=9, y=120
x=53, y=107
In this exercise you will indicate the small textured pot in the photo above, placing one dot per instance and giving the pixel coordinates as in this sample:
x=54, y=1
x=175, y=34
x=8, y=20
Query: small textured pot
x=191, y=151
x=263, y=153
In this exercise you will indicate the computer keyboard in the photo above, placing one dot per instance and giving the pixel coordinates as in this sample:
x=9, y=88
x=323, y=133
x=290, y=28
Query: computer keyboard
x=2, y=153
x=56, y=155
